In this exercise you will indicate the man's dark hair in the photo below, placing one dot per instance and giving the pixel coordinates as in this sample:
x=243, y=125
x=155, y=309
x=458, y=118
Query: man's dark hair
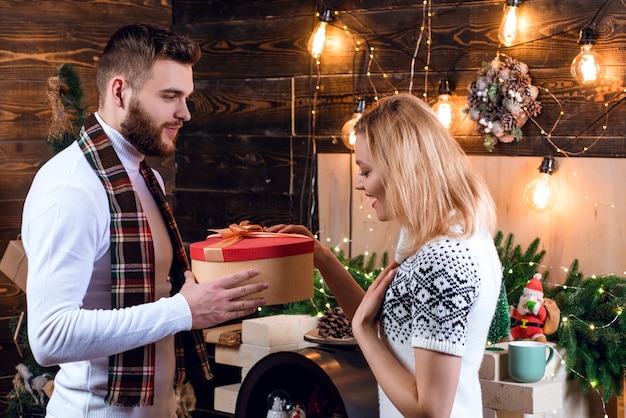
x=132, y=50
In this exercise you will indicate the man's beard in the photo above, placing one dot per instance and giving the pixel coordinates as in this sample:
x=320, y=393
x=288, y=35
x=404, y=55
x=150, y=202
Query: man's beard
x=141, y=131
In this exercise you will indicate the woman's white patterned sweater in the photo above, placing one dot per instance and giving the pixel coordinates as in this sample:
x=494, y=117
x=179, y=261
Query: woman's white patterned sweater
x=443, y=298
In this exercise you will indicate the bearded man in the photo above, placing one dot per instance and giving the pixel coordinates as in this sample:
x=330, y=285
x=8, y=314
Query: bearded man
x=111, y=299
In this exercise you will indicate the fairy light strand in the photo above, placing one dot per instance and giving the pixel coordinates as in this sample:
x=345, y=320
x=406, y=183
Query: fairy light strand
x=424, y=27
x=593, y=385
x=312, y=165
x=429, y=41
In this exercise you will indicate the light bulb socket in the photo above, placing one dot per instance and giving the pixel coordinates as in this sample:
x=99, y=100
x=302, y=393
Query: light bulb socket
x=513, y=3
x=444, y=87
x=326, y=16
x=548, y=165
x=586, y=37
x=360, y=105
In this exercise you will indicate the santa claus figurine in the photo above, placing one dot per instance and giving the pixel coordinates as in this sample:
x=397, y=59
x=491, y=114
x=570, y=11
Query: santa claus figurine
x=528, y=318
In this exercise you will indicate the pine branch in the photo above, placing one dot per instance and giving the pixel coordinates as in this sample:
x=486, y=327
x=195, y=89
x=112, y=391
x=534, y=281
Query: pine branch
x=518, y=266
x=65, y=95
x=593, y=329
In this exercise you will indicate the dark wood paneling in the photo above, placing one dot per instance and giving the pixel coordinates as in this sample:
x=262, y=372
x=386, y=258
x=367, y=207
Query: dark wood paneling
x=10, y=221
x=25, y=112
x=36, y=37
x=252, y=106
x=246, y=164
x=19, y=161
x=463, y=36
x=39, y=35
x=260, y=48
x=242, y=106
x=193, y=12
x=604, y=147
x=256, y=82
x=199, y=210
x=223, y=179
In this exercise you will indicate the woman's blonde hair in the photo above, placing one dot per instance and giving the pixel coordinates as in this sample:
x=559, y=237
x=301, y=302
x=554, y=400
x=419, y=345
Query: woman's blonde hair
x=429, y=182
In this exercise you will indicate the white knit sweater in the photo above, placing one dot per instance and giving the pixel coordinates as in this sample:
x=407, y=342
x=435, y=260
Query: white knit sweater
x=66, y=236
x=443, y=298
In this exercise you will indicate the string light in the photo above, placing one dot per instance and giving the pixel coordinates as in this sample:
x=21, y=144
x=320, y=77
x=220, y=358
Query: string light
x=507, y=33
x=592, y=383
x=318, y=37
x=348, y=136
x=540, y=194
x=425, y=32
x=372, y=60
x=363, y=45
x=608, y=106
x=429, y=41
x=425, y=35
x=447, y=112
x=588, y=66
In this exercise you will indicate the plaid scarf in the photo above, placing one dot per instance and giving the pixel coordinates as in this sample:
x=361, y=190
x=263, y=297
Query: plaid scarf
x=131, y=374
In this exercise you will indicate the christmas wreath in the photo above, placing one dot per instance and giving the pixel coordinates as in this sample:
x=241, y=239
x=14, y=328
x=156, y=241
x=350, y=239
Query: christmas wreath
x=501, y=99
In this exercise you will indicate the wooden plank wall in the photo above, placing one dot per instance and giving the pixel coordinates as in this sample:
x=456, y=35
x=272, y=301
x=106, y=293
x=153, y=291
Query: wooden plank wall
x=248, y=153
x=36, y=37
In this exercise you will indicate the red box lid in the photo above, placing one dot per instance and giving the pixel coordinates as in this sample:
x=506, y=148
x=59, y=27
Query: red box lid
x=255, y=248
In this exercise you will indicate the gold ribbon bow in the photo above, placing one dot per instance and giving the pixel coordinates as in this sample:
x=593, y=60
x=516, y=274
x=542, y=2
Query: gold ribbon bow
x=235, y=233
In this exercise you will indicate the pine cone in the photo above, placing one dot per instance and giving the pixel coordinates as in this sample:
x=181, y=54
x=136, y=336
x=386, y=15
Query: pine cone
x=335, y=324
x=508, y=122
x=534, y=108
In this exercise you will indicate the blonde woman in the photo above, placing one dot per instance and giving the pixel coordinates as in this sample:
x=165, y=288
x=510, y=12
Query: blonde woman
x=422, y=325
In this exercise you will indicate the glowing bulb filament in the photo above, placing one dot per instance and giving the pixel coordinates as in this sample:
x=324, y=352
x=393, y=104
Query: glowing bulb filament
x=348, y=135
x=445, y=110
x=588, y=68
x=318, y=40
x=508, y=28
x=445, y=114
x=541, y=193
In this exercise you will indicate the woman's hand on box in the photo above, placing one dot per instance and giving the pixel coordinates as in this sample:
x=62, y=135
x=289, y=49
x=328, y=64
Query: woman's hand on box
x=342, y=285
x=290, y=229
x=319, y=251
x=214, y=301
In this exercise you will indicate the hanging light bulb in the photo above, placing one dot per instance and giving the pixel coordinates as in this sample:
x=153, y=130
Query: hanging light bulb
x=540, y=194
x=348, y=136
x=508, y=27
x=588, y=66
x=447, y=112
x=318, y=38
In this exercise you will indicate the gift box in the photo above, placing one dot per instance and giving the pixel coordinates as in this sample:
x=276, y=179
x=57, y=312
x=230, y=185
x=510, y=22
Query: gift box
x=14, y=263
x=285, y=261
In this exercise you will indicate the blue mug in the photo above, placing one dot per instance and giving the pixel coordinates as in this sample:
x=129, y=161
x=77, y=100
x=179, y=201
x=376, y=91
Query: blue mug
x=528, y=360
